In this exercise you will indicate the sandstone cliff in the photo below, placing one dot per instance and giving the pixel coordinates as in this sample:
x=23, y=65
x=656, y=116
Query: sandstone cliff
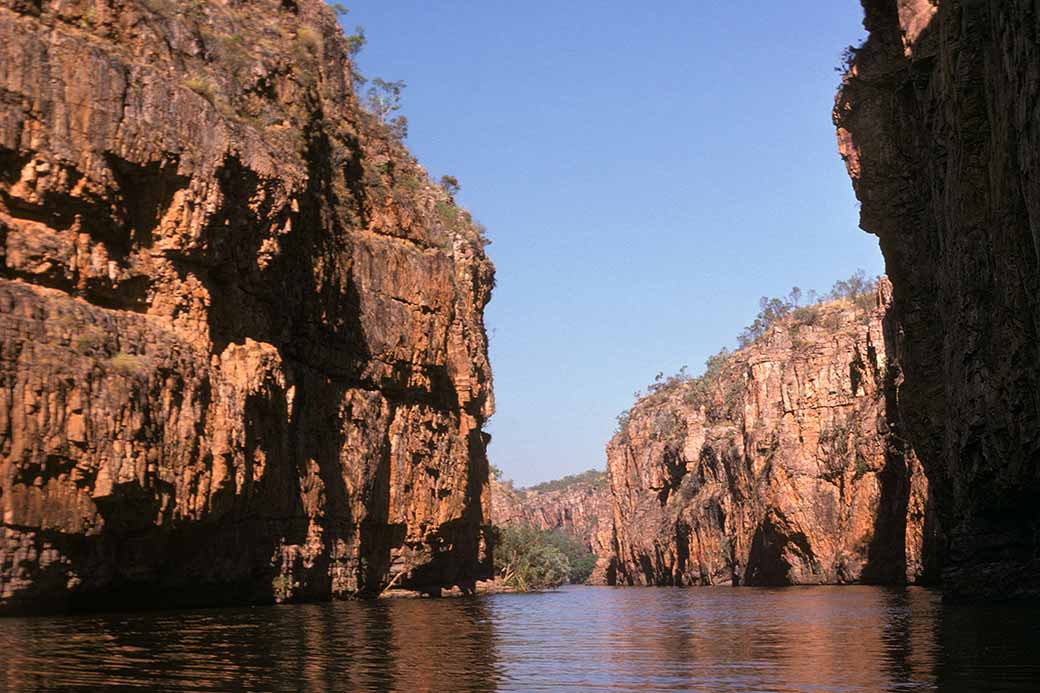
x=581, y=507
x=242, y=355
x=784, y=465
x=938, y=122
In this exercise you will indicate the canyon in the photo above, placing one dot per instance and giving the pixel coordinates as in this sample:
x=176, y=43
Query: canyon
x=937, y=122
x=243, y=356
x=242, y=350
x=785, y=463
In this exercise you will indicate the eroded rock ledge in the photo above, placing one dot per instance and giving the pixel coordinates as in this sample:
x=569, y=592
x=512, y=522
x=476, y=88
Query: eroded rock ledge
x=939, y=124
x=242, y=353
x=786, y=466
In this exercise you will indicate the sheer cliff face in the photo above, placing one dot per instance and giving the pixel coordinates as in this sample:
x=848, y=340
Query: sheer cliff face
x=786, y=467
x=938, y=123
x=581, y=509
x=242, y=355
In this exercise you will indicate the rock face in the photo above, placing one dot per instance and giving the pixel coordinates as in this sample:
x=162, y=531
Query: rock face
x=242, y=355
x=939, y=124
x=581, y=508
x=784, y=466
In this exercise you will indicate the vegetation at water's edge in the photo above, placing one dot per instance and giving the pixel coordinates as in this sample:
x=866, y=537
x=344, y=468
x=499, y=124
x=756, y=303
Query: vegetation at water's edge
x=527, y=558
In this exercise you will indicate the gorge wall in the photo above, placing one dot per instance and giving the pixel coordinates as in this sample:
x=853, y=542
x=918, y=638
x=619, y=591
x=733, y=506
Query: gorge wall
x=939, y=124
x=784, y=464
x=242, y=353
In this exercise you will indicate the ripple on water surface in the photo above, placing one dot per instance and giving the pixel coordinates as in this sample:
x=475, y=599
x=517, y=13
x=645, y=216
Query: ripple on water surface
x=580, y=638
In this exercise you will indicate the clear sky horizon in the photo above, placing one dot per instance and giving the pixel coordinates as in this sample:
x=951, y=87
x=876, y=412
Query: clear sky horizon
x=645, y=175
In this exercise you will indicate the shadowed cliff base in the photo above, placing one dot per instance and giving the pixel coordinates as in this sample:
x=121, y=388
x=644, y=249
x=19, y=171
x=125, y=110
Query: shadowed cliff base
x=937, y=121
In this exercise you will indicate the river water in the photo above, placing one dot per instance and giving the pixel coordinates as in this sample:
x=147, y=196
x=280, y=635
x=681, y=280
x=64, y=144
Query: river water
x=580, y=639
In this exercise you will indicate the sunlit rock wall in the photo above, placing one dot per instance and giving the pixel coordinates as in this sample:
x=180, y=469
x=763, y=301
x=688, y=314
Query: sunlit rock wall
x=787, y=466
x=242, y=353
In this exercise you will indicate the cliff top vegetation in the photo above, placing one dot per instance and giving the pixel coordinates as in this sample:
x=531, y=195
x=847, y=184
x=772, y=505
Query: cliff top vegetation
x=592, y=477
x=799, y=309
x=596, y=478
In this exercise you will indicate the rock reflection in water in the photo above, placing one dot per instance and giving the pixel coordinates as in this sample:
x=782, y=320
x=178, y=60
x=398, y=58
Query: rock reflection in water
x=595, y=639
x=406, y=645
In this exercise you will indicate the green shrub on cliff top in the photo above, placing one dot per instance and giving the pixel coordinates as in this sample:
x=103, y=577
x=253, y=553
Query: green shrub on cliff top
x=859, y=289
x=771, y=311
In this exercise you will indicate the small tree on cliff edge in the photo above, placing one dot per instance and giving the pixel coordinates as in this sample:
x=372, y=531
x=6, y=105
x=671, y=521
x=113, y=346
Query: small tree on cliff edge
x=450, y=185
x=383, y=99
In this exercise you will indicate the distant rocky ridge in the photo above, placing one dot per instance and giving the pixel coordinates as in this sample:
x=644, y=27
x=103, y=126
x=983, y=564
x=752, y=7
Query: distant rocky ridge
x=784, y=465
x=579, y=506
x=242, y=352
x=938, y=121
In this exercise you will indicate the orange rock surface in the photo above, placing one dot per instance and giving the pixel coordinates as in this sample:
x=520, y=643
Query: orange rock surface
x=242, y=352
x=787, y=467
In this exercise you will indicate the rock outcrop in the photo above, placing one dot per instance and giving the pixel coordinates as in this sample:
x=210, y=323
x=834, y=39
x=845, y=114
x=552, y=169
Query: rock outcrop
x=784, y=464
x=242, y=353
x=580, y=507
x=939, y=124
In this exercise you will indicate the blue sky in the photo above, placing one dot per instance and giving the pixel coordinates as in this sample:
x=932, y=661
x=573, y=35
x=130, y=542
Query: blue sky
x=645, y=174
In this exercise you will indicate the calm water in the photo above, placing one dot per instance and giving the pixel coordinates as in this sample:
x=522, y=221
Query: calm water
x=582, y=638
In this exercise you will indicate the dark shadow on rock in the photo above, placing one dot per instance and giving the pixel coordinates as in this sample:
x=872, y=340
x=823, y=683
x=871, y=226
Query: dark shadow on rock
x=886, y=553
x=774, y=542
x=954, y=208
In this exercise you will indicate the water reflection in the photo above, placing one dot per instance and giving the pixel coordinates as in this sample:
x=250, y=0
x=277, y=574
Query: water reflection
x=721, y=639
x=710, y=639
x=406, y=645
